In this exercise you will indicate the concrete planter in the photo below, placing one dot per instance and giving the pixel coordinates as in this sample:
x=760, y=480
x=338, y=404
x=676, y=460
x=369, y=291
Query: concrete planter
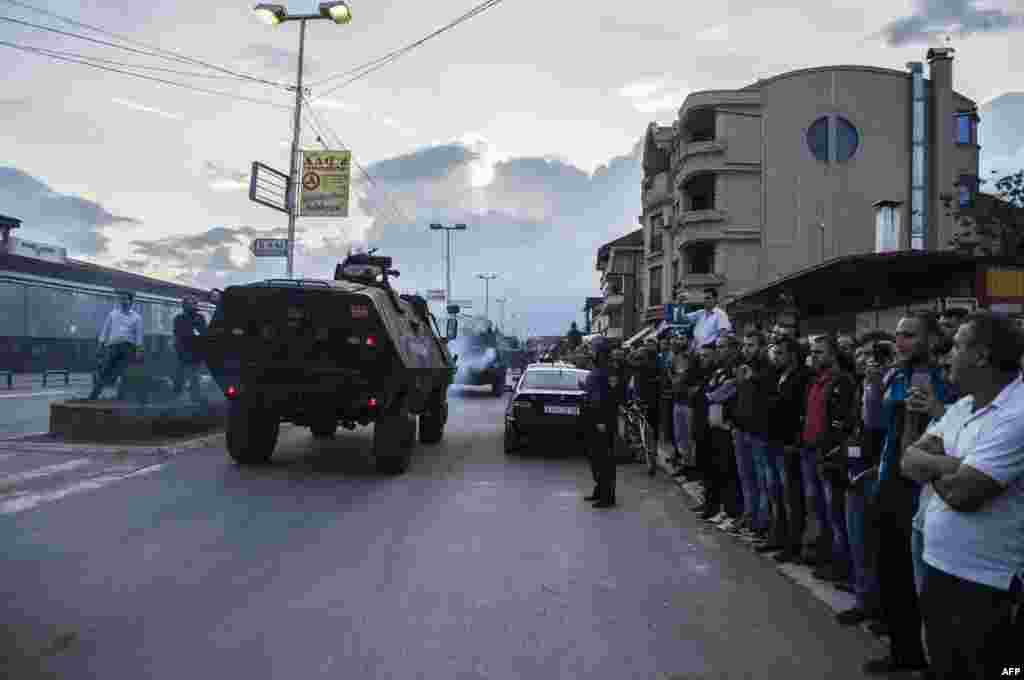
x=80, y=420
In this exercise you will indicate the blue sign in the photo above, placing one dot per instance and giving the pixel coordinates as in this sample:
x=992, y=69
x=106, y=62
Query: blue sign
x=676, y=314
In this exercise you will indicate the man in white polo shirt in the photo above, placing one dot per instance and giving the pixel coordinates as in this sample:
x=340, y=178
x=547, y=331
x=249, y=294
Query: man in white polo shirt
x=710, y=323
x=973, y=458
x=120, y=341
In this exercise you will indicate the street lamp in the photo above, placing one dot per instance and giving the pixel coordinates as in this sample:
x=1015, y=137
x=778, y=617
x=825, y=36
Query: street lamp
x=340, y=13
x=501, y=301
x=448, y=256
x=487, y=292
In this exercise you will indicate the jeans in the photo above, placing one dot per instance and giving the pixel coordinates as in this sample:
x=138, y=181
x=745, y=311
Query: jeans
x=863, y=546
x=814, y=497
x=681, y=430
x=759, y=449
x=745, y=444
x=835, y=503
x=917, y=554
x=112, y=367
x=775, y=490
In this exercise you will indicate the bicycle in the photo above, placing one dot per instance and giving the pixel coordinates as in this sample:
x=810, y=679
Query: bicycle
x=637, y=436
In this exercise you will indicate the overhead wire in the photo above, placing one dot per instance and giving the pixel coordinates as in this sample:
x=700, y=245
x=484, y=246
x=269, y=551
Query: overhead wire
x=145, y=67
x=154, y=51
x=231, y=95
x=369, y=67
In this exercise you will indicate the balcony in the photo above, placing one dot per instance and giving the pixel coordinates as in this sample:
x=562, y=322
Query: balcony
x=698, y=280
x=702, y=147
x=656, y=191
x=700, y=216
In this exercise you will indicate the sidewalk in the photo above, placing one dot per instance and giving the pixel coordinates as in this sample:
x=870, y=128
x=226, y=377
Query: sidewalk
x=826, y=592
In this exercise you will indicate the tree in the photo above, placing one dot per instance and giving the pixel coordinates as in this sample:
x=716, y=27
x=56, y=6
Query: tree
x=993, y=223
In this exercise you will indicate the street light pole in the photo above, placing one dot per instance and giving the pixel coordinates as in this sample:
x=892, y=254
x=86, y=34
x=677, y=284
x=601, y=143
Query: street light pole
x=340, y=13
x=487, y=292
x=501, y=301
x=293, y=180
x=448, y=256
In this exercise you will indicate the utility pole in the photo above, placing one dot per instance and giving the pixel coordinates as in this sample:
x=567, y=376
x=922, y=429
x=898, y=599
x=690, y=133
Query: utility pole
x=487, y=292
x=293, y=179
x=448, y=256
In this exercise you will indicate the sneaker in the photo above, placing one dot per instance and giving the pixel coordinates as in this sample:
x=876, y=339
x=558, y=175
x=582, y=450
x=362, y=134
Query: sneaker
x=728, y=525
x=719, y=518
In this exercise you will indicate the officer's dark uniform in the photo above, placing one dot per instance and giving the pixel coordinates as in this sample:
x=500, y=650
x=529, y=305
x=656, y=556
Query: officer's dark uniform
x=601, y=408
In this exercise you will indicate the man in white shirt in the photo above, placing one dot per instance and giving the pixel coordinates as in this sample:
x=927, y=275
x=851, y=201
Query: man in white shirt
x=120, y=341
x=973, y=458
x=710, y=323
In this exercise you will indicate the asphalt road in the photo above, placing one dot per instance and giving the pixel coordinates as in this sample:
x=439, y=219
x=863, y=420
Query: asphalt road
x=472, y=565
x=28, y=411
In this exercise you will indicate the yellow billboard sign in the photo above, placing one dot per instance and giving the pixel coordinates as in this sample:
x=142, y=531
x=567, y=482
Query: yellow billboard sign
x=325, y=183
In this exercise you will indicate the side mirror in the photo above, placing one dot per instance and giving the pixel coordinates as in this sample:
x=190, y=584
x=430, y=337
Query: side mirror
x=452, y=329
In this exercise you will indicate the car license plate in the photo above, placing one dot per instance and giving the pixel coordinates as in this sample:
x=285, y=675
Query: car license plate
x=562, y=410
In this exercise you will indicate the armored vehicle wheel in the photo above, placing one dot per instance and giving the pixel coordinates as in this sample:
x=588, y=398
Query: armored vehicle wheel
x=323, y=430
x=251, y=434
x=393, y=436
x=432, y=421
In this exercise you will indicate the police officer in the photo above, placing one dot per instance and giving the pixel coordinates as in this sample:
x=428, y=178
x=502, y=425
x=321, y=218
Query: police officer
x=600, y=425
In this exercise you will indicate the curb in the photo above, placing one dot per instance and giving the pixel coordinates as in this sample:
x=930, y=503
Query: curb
x=165, y=449
x=835, y=599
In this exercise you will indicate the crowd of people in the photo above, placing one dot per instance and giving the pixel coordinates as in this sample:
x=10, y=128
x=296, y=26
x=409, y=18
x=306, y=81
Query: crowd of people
x=892, y=464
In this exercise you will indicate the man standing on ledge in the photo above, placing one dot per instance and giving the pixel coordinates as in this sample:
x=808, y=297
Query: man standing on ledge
x=710, y=323
x=120, y=341
x=574, y=336
x=188, y=325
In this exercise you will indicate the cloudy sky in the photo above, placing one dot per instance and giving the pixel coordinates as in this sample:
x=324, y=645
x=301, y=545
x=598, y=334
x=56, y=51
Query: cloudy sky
x=523, y=122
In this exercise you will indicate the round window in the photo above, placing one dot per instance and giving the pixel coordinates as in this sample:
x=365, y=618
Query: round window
x=820, y=139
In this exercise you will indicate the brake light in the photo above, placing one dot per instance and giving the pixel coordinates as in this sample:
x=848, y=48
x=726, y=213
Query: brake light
x=371, y=402
x=371, y=341
x=231, y=392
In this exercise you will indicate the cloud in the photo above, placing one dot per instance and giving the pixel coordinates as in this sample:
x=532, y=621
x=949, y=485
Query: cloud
x=60, y=219
x=352, y=108
x=640, y=89
x=654, y=94
x=935, y=19
x=222, y=178
x=639, y=31
x=278, y=59
x=147, y=109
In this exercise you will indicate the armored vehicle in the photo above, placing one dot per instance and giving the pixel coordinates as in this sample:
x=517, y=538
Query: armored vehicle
x=320, y=353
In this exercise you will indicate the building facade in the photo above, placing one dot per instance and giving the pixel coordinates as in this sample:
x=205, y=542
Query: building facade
x=621, y=265
x=749, y=186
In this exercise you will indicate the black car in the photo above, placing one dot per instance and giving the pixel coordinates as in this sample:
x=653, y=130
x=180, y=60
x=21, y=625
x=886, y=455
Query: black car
x=547, y=400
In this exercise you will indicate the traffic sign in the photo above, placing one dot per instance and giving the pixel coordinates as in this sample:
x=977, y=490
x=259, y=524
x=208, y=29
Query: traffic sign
x=268, y=187
x=269, y=247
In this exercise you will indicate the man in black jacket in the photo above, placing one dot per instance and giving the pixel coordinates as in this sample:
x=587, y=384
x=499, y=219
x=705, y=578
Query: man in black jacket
x=789, y=521
x=601, y=418
x=723, y=487
x=696, y=383
x=756, y=385
x=188, y=325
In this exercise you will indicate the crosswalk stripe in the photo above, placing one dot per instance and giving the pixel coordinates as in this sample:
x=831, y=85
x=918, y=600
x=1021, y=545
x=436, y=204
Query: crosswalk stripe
x=38, y=473
x=32, y=500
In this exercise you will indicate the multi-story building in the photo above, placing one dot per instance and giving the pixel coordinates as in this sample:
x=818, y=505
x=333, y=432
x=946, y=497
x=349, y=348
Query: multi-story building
x=620, y=263
x=751, y=185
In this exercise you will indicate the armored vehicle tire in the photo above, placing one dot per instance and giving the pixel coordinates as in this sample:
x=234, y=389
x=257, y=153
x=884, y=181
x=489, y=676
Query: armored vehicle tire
x=251, y=434
x=432, y=421
x=393, y=436
x=323, y=430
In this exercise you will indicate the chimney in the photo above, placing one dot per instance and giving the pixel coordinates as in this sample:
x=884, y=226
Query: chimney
x=940, y=71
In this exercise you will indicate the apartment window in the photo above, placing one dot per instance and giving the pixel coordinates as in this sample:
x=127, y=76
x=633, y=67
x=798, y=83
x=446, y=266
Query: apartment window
x=820, y=135
x=657, y=231
x=700, y=258
x=966, y=128
x=675, y=271
x=655, y=287
x=966, y=188
x=700, y=192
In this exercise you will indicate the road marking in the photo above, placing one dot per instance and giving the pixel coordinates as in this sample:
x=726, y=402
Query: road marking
x=30, y=395
x=32, y=500
x=38, y=473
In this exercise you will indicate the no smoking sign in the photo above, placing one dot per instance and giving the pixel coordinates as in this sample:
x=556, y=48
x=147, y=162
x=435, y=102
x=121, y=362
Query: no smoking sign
x=311, y=181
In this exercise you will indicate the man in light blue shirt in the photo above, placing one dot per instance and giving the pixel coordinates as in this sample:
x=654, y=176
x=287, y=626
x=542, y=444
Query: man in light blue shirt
x=710, y=323
x=974, y=523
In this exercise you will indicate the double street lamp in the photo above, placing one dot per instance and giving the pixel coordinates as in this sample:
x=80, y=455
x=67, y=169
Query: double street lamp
x=340, y=13
x=448, y=256
x=487, y=292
